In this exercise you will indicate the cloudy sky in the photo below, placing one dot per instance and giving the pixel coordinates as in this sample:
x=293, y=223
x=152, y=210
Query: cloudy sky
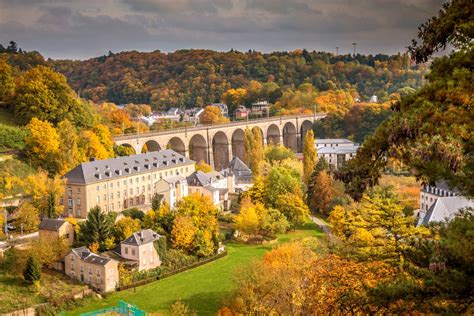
x=80, y=29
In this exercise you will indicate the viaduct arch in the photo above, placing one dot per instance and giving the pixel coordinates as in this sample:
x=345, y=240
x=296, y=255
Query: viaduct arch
x=218, y=144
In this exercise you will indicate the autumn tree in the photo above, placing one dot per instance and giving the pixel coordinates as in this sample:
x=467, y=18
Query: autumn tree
x=199, y=211
x=7, y=83
x=322, y=192
x=377, y=227
x=160, y=220
x=183, y=233
x=42, y=144
x=204, y=167
x=43, y=94
x=247, y=221
x=212, y=115
x=27, y=217
x=253, y=143
x=125, y=227
x=280, y=181
x=293, y=207
x=69, y=154
x=310, y=156
x=278, y=153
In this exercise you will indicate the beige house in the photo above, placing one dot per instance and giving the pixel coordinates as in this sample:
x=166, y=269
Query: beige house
x=140, y=248
x=99, y=272
x=172, y=189
x=215, y=185
x=119, y=183
x=56, y=228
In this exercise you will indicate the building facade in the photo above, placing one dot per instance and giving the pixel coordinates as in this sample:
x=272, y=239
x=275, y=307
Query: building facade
x=56, y=229
x=99, y=272
x=140, y=248
x=336, y=151
x=430, y=193
x=119, y=183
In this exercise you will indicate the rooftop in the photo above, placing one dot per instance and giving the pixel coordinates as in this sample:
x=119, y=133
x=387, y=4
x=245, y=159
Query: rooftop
x=445, y=208
x=93, y=171
x=332, y=141
x=338, y=150
x=51, y=224
x=88, y=256
x=142, y=237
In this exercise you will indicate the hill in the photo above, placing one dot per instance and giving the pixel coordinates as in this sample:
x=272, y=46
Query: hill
x=187, y=78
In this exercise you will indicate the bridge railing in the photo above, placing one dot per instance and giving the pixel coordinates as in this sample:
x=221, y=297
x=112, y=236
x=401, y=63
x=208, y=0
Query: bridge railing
x=204, y=126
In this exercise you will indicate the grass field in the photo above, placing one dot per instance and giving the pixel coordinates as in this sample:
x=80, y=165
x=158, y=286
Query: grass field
x=202, y=288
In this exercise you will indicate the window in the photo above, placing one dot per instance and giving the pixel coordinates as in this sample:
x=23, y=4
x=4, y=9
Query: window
x=143, y=178
x=126, y=250
x=90, y=270
x=137, y=179
x=130, y=181
x=166, y=173
x=61, y=200
x=149, y=177
x=69, y=191
x=78, y=202
x=111, y=196
x=118, y=194
x=111, y=185
x=112, y=206
x=118, y=183
x=105, y=197
x=131, y=191
x=72, y=258
x=70, y=202
x=138, y=200
x=118, y=205
x=67, y=236
x=131, y=201
x=98, y=273
x=125, y=182
x=82, y=268
x=143, y=189
x=78, y=213
x=124, y=193
x=154, y=176
x=133, y=251
x=105, y=186
x=78, y=190
x=149, y=187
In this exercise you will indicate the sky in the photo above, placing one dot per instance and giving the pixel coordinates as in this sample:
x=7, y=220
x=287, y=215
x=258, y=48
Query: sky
x=81, y=29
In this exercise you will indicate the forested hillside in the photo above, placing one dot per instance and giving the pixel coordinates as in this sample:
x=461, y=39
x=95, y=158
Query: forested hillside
x=187, y=78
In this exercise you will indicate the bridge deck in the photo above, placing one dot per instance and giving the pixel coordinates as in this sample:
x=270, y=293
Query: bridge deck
x=214, y=126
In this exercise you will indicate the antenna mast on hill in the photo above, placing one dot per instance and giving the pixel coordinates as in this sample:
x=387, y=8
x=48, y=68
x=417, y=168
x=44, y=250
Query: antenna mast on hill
x=354, y=44
x=337, y=51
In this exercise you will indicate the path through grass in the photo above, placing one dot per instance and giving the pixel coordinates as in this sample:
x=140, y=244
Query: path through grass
x=202, y=288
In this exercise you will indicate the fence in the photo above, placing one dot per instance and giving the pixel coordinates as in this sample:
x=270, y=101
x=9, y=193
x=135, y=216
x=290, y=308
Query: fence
x=123, y=308
x=168, y=274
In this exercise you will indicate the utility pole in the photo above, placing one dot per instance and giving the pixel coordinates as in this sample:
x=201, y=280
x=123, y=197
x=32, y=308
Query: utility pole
x=354, y=44
x=337, y=51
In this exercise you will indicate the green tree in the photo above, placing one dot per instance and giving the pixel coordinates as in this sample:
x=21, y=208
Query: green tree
x=280, y=181
x=310, y=156
x=429, y=131
x=156, y=202
x=7, y=84
x=97, y=228
x=32, y=271
x=278, y=153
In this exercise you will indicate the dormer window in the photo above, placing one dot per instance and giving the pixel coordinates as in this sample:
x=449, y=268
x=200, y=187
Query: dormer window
x=155, y=164
x=98, y=176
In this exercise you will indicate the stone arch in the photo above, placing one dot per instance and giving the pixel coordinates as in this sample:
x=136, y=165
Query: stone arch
x=177, y=145
x=129, y=147
x=220, y=149
x=198, y=148
x=273, y=135
x=238, y=144
x=151, y=145
x=290, y=139
x=305, y=126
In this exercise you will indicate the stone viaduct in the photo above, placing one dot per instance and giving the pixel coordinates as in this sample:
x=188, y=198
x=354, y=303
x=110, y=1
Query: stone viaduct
x=218, y=144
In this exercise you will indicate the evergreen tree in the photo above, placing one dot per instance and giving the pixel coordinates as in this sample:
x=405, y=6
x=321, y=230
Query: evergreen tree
x=310, y=156
x=32, y=271
x=156, y=202
x=98, y=228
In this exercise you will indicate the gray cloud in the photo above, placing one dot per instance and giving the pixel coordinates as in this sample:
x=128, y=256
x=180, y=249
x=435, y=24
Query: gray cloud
x=84, y=28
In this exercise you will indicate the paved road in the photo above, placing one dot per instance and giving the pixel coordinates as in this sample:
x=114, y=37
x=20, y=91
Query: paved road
x=322, y=225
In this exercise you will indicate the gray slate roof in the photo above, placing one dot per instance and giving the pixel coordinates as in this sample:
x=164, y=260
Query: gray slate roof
x=199, y=178
x=338, y=150
x=51, y=224
x=89, y=172
x=142, y=237
x=88, y=256
x=445, y=208
x=332, y=141
x=238, y=166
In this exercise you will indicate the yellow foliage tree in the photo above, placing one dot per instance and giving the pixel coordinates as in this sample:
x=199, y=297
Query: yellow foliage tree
x=247, y=220
x=183, y=232
x=42, y=144
x=125, y=227
x=212, y=115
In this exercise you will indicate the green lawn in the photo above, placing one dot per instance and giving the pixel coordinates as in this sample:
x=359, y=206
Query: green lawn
x=202, y=288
